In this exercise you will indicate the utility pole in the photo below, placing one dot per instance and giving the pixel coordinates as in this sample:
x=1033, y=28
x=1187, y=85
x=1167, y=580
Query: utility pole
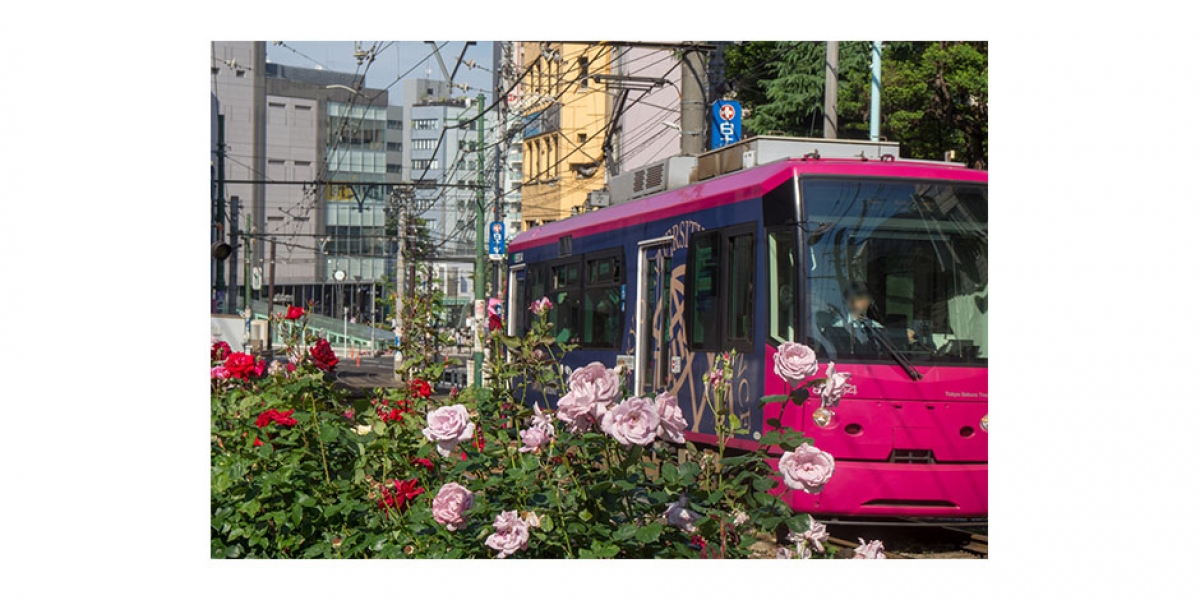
x=831, y=90
x=246, y=283
x=271, y=298
x=219, y=212
x=235, y=241
x=692, y=104
x=876, y=87
x=480, y=257
x=501, y=144
x=401, y=275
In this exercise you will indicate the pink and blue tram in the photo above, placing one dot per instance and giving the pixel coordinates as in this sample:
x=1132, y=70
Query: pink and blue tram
x=751, y=259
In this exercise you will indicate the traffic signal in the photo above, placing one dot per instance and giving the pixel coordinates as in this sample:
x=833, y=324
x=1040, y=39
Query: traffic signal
x=221, y=250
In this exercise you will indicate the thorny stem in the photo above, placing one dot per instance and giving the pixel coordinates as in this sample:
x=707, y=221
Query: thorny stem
x=321, y=444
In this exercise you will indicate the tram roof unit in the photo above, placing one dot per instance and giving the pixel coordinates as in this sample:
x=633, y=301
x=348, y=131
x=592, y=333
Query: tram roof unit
x=735, y=187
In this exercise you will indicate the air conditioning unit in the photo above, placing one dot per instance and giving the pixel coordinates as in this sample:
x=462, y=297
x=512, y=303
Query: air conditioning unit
x=654, y=178
x=755, y=151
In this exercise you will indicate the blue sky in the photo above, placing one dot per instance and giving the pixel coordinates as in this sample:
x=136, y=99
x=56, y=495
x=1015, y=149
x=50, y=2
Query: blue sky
x=391, y=62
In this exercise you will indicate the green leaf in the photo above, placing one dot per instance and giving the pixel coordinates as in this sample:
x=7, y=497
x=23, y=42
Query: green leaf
x=649, y=533
x=734, y=421
x=799, y=395
x=585, y=515
x=328, y=433
x=776, y=423
x=625, y=532
x=774, y=399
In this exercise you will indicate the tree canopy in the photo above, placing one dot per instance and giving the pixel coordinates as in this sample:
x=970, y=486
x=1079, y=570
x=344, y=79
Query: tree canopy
x=934, y=96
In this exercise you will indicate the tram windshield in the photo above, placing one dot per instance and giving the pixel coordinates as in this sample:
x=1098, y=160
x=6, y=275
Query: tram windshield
x=896, y=261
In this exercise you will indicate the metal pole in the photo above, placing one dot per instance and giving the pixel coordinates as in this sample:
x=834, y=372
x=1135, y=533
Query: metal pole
x=235, y=241
x=691, y=104
x=401, y=287
x=374, y=315
x=271, y=298
x=219, y=281
x=876, y=87
x=831, y=90
x=480, y=265
x=246, y=283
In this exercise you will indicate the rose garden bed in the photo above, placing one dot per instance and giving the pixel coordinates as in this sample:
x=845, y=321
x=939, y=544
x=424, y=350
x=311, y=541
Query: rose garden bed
x=301, y=471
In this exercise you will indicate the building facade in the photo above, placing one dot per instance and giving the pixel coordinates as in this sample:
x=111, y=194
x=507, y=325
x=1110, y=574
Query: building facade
x=286, y=127
x=564, y=116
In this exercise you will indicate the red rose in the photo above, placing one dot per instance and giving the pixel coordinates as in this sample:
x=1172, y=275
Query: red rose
x=273, y=416
x=404, y=492
x=423, y=462
x=220, y=350
x=240, y=365
x=323, y=355
x=494, y=323
x=421, y=388
x=294, y=312
x=260, y=367
x=257, y=442
x=291, y=368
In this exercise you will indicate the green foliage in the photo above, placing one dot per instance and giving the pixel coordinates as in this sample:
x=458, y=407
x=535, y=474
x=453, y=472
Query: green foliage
x=934, y=96
x=317, y=488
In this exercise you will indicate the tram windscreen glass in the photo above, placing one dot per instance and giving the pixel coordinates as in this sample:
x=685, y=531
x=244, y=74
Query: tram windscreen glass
x=907, y=259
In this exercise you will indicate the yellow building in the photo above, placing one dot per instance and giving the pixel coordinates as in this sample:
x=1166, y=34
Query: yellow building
x=564, y=122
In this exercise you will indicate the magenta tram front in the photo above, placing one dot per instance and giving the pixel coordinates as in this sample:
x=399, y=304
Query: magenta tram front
x=878, y=266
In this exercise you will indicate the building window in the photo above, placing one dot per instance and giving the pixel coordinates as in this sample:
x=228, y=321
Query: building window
x=393, y=146
x=423, y=144
x=391, y=124
x=240, y=73
x=424, y=163
x=582, y=138
x=393, y=168
x=424, y=123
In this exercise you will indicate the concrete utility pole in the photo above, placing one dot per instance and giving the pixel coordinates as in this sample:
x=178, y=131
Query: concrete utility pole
x=480, y=256
x=831, y=90
x=501, y=143
x=876, y=87
x=692, y=103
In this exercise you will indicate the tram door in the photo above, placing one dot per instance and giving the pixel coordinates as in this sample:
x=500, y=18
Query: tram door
x=653, y=315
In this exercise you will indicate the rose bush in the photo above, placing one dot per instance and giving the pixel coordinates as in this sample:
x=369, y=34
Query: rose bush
x=300, y=469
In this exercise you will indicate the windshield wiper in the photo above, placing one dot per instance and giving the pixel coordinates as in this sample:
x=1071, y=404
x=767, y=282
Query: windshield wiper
x=895, y=354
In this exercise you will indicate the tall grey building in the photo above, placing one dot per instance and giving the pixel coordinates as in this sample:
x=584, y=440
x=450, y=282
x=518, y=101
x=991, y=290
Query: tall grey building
x=285, y=128
x=432, y=114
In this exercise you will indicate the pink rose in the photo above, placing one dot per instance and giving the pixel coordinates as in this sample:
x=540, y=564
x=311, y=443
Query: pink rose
x=671, y=424
x=532, y=519
x=807, y=468
x=541, y=306
x=679, y=516
x=607, y=382
x=835, y=385
x=542, y=420
x=448, y=426
x=795, y=362
x=534, y=438
x=580, y=408
x=219, y=372
x=806, y=541
x=783, y=552
x=512, y=534
x=450, y=504
x=872, y=549
x=634, y=421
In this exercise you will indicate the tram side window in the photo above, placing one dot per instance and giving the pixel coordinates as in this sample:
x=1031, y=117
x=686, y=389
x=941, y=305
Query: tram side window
x=535, y=288
x=565, y=292
x=602, y=303
x=739, y=289
x=703, y=310
x=781, y=295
